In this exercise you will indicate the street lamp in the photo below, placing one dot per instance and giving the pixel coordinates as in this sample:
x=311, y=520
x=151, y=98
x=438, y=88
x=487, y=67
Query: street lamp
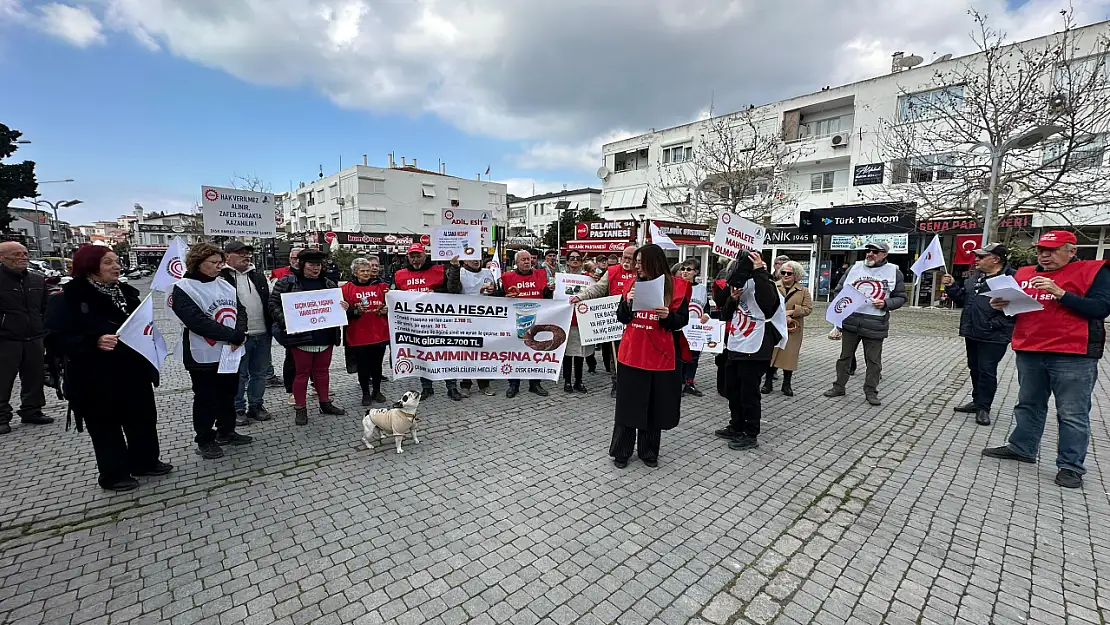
x=56, y=205
x=1021, y=141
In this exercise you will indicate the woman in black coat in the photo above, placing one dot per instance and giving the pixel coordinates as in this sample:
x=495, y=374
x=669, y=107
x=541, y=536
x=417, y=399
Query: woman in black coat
x=110, y=386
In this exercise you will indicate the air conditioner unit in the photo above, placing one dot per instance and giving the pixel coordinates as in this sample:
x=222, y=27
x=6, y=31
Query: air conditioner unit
x=454, y=202
x=840, y=139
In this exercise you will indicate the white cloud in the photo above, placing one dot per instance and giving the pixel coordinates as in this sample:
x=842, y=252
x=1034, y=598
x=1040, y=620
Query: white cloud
x=75, y=25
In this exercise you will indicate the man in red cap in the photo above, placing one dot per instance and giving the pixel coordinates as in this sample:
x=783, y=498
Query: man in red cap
x=1057, y=350
x=422, y=276
x=524, y=282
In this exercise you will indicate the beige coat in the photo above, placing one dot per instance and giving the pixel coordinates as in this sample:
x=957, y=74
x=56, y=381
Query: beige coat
x=799, y=301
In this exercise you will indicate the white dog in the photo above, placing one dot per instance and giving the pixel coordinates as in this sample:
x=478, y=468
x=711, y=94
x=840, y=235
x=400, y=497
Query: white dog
x=398, y=421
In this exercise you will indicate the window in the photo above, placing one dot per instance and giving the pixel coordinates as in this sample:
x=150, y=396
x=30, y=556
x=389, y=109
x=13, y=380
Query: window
x=923, y=169
x=819, y=128
x=822, y=182
x=428, y=219
x=372, y=217
x=633, y=159
x=758, y=188
x=428, y=190
x=453, y=194
x=677, y=154
x=495, y=198
x=1086, y=153
x=371, y=185
x=1080, y=74
x=335, y=222
x=929, y=104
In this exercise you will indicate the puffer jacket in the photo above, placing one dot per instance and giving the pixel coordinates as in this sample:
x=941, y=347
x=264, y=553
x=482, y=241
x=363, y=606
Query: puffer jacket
x=979, y=321
x=22, y=305
x=294, y=284
x=874, y=326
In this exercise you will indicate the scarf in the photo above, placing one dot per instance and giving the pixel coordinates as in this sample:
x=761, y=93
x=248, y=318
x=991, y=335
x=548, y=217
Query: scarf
x=113, y=292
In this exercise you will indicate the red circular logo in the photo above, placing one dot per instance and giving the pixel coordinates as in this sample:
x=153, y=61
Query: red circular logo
x=225, y=315
x=582, y=230
x=211, y=195
x=841, y=304
x=870, y=288
x=329, y=237
x=506, y=369
x=448, y=215
x=583, y=309
x=726, y=217
x=176, y=268
x=425, y=239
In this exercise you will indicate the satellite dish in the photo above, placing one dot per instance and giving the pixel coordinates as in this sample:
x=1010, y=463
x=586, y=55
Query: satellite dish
x=603, y=172
x=942, y=58
x=911, y=61
x=706, y=185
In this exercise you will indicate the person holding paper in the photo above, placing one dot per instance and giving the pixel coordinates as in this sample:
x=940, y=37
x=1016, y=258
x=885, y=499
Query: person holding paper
x=472, y=279
x=649, y=389
x=799, y=305
x=986, y=331
x=756, y=325
x=312, y=350
x=575, y=355
x=368, y=326
x=881, y=281
x=524, y=282
x=1057, y=350
x=213, y=317
x=83, y=322
x=699, y=309
x=615, y=281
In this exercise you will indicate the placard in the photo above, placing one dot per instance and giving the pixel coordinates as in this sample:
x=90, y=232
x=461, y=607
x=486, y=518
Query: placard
x=899, y=243
x=438, y=336
x=237, y=213
x=597, y=320
x=734, y=233
x=313, y=310
x=567, y=285
x=705, y=337
x=451, y=241
x=470, y=217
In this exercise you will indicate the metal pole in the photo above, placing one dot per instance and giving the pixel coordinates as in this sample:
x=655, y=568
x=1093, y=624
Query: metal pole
x=988, y=213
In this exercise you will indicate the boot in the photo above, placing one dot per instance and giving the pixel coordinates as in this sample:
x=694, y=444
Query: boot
x=787, y=389
x=378, y=397
x=567, y=388
x=366, y=399
x=326, y=407
x=580, y=388
x=767, y=387
x=302, y=415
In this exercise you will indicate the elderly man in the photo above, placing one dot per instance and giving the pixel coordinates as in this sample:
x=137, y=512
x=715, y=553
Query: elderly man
x=550, y=265
x=1057, y=351
x=423, y=276
x=253, y=292
x=615, y=281
x=986, y=331
x=281, y=272
x=22, y=307
x=524, y=282
x=882, y=282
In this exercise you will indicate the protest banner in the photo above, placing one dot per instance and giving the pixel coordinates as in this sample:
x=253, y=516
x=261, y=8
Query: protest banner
x=734, y=233
x=447, y=337
x=597, y=320
x=313, y=310
x=451, y=241
x=568, y=285
x=705, y=337
x=236, y=212
x=470, y=217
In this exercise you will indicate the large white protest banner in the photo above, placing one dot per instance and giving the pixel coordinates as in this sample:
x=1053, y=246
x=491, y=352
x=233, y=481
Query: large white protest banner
x=237, y=212
x=462, y=241
x=597, y=320
x=734, y=233
x=471, y=217
x=313, y=310
x=705, y=337
x=567, y=285
x=846, y=303
x=447, y=337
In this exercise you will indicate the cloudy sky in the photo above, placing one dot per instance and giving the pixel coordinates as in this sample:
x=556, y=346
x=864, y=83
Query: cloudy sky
x=146, y=100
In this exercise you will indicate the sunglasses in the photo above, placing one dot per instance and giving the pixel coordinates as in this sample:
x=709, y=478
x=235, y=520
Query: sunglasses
x=574, y=258
x=786, y=273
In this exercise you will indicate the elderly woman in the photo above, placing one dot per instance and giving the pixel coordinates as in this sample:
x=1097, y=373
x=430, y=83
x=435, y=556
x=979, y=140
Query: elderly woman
x=209, y=308
x=799, y=305
x=576, y=353
x=471, y=279
x=84, y=322
x=367, y=327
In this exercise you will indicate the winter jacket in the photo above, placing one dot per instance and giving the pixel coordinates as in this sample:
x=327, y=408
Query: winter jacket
x=295, y=284
x=201, y=323
x=979, y=321
x=258, y=279
x=874, y=326
x=22, y=305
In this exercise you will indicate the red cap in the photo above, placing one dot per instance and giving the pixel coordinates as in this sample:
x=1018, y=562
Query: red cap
x=1056, y=238
x=416, y=247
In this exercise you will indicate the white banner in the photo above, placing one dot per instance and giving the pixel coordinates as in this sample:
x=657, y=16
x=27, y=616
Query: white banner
x=597, y=320
x=470, y=217
x=846, y=303
x=313, y=310
x=899, y=243
x=447, y=337
x=705, y=337
x=568, y=285
x=451, y=241
x=734, y=233
x=236, y=212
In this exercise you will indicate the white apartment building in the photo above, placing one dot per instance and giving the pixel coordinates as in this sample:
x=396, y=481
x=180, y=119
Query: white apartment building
x=835, y=131
x=531, y=216
x=150, y=236
x=396, y=199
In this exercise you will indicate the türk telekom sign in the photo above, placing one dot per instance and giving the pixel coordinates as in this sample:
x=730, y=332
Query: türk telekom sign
x=624, y=230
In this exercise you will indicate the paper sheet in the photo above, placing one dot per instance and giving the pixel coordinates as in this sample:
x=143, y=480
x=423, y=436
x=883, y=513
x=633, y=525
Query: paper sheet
x=649, y=294
x=229, y=359
x=1005, y=287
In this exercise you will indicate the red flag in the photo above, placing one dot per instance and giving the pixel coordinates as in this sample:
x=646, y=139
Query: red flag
x=487, y=169
x=966, y=244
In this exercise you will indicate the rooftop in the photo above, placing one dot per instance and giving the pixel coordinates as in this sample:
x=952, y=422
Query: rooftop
x=554, y=194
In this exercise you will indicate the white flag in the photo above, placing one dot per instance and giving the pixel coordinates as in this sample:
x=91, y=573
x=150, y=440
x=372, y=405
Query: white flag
x=172, y=266
x=140, y=334
x=660, y=239
x=932, y=258
x=846, y=303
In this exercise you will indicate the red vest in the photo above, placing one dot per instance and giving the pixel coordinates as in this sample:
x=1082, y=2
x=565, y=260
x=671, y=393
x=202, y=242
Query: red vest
x=370, y=327
x=619, y=279
x=424, y=281
x=524, y=287
x=647, y=345
x=1056, y=328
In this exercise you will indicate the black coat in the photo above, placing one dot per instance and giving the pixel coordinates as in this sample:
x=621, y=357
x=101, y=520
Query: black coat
x=22, y=305
x=76, y=319
x=293, y=284
x=979, y=321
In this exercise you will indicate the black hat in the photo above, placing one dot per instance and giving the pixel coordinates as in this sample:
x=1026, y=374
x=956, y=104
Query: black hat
x=237, y=246
x=311, y=256
x=997, y=249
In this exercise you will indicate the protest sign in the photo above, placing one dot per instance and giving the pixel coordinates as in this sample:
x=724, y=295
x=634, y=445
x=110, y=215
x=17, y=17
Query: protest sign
x=597, y=320
x=236, y=212
x=734, y=233
x=568, y=285
x=462, y=241
x=705, y=337
x=447, y=337
x=470, y=217
x=313, y=310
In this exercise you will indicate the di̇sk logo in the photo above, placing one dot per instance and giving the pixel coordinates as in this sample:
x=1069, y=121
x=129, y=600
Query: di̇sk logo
x=403, y=366
x=148, y=329
x=211, y=195
x=842, y=304
x=871, y=288
x=742, y=324
x=225, y=316
x=726, y=218
x=448, y=214
x=506, y=369
x=176, y=268
x=583, y=309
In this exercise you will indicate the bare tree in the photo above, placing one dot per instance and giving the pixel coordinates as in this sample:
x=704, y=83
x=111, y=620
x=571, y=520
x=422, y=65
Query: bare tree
x=738, y=162
x=940, y=143
x=250, y=182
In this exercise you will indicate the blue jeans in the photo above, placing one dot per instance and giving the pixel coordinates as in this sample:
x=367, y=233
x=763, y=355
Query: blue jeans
x=1071, y=379
x=252, y=372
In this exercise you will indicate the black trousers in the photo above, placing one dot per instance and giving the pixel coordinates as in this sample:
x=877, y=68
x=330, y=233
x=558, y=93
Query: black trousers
x=25, y=359
x=614, y=349
x=368, y=359
x=124, y=433
x=625, y=438
x=606, y=355
x=574, y=362
x=213, y=403
x=466, y=384
x=288, y=371
x=742, y=381
x=982, y=360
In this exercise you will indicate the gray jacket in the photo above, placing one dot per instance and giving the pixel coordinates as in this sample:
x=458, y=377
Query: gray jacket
x=872, y=326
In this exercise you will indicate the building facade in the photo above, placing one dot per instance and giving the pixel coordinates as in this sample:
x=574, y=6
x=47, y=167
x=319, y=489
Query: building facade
x=531, y=216
x=150, y=235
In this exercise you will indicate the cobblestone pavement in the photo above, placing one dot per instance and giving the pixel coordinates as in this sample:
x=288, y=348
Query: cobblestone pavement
x=510, y=511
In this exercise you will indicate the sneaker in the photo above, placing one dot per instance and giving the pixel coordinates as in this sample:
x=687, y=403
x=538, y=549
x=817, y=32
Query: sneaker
x=426, y=393
x=834, y=392
x=290, y=401
x=210, y=450
x=743, y=442
x=969, y=408
x=511, y=393
x=1069, y=479
x=301, y=415
x=259, y=414
x=234, y=439
x=378, y=397
x=326, y=407
x=38, y=419
x=121, y=485
x=366, y=399
x=465, y=392
x=538, y=390
x=580, y=388
x=454, y=395
x=274, y=382
x=983, y=417
x=1005, y=453
x=727, y=433
x=874, y=400
x=241, y=418
x=488, y=392
x=158, y=468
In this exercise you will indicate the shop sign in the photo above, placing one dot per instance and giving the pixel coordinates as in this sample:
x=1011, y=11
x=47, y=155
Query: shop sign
x=788, y=236
x=871, y=173
x=894, y=217
x=899, y=243
x=597, y=246
x=957, y=225
x=623, y=230
x=359, y=238
x=684, y=234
